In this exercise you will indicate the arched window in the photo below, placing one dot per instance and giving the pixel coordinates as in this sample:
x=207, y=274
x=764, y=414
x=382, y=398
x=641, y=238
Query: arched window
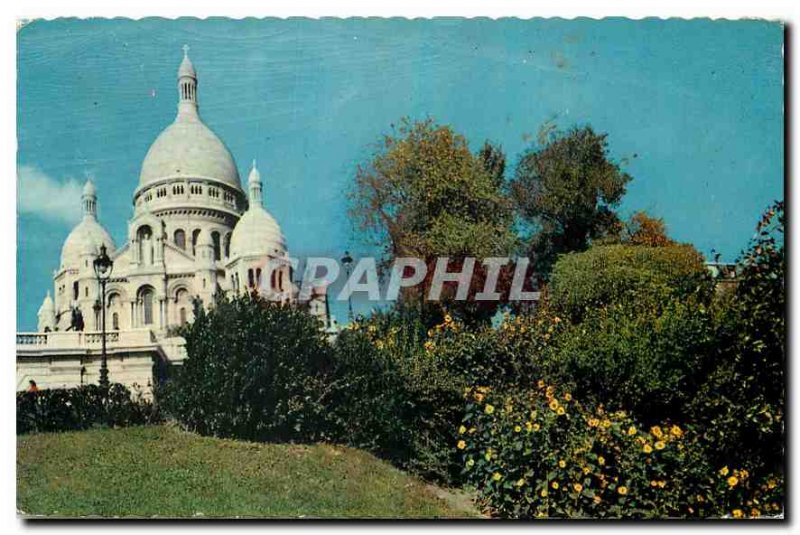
x=75, y=290
x=115, y=321
x=250, y=279
x=146, y=296
x=215, y=241
x=195, y=236
x=145, y=236
x=182, y=316
x=180, y=238
x=226, y=245
x=280, y=280
x=258, y=277
x=272, y=279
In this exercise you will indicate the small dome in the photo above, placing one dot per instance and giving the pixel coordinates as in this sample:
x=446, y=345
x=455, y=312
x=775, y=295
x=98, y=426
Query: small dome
x=188, y=149
x=254, y=176
x=48, y=307
x=85, y=238
x=89, y=189
x=186, y=68
x=257, y=234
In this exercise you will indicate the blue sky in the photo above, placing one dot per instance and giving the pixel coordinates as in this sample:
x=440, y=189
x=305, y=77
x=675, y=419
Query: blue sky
x=699, y=102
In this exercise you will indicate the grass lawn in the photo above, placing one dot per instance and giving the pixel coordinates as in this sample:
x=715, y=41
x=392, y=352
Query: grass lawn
x=162, y=471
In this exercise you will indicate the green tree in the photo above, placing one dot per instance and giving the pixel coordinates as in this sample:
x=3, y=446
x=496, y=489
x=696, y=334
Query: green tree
x=425, y=195
x=565, y=189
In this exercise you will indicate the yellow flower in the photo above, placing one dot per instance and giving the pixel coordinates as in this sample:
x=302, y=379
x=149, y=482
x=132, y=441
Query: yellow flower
x=556, y=320
x=540, y=383
x=631, y=431
x=528, y=427
x=554, y=484
x=488, y=454
x=517, y=429
x=461, y=445
x=723, y=471
x=660, y=445
x=520, y=482
x=593, y=422
x=560, y=411
x=429, y=345
x=676, y=431
x=470, y=463
x=562, y=463
x=647, y=448
x=754, y=512
x=733, y=481
x=743, y=474
x=737, y=513
x=597, y=499
x=462, y=430
x=553, y=405
x=606, y=423
x=622, y=490
x=656, y=431
x=496, y=476
x=586, y=470
x=448, y=318
x=601, y=460
x=471, y=430
x=536, y=427
x=543, y=494
x=578, y=487
x=700, y=498
x=489, y=408
x=568, y=396
x=771, y=484
x=478, y=397
x=662, y=484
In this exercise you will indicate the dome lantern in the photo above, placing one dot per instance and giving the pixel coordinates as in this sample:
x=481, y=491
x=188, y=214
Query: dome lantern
x=89, y=200
x=254, y=185
x=187, y=87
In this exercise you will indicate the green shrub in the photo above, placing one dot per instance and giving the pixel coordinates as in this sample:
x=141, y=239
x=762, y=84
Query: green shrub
x=633, y=356
x=741, y=405
x=395, y=399
x=255, y=370
x=85, y=407
x=607, y=274
x=542, y=454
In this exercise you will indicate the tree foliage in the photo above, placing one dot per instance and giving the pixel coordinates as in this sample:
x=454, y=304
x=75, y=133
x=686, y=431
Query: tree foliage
x=425, y=194
x=565, y=189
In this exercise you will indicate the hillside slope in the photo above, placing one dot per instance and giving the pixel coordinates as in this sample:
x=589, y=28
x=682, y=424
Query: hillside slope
x=164, y=472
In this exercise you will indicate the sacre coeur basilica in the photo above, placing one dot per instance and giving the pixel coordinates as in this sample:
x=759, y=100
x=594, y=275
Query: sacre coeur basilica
x=194, y=233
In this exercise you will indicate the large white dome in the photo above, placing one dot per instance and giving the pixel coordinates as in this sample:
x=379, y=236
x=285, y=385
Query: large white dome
x=85, y=238
x=257, y=234
x=188, y=149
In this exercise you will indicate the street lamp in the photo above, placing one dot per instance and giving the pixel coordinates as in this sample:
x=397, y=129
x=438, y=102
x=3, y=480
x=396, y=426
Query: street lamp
x=102, y=270
x=347, y=261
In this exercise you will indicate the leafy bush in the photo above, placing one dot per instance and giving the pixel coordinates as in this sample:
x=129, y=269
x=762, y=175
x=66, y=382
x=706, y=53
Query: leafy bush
x=615, y=273
x=634, y=356
x=542, y=454
x=255, y=371
x=394, y=398
x=741, y=404
x=74, y=409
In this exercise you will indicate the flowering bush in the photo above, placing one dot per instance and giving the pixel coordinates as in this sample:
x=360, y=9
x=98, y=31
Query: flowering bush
x=543, y=454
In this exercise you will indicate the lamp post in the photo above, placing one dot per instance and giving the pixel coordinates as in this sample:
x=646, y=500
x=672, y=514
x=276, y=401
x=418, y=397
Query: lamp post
x=102, y=270
x=347, y=261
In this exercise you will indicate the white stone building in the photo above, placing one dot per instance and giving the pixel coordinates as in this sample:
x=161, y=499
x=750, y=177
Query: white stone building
x=194, y=233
